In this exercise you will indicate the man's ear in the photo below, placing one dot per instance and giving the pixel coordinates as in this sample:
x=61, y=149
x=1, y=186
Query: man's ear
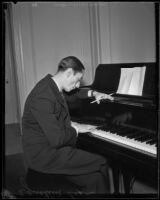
x=69, y=72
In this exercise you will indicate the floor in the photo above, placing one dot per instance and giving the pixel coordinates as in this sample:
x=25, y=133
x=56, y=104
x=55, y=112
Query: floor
x=14, y=164
x=13, y=143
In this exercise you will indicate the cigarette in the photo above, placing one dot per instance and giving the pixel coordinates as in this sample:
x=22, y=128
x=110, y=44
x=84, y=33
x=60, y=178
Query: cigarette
x=95, y=101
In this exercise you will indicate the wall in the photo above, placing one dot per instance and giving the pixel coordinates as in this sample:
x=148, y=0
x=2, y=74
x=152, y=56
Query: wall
x=127, y=32
x=60, y=30
x=44, y=33
x=11, y=101
x=104, y=32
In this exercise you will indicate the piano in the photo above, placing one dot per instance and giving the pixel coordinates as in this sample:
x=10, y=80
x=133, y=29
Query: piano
x=126, y=129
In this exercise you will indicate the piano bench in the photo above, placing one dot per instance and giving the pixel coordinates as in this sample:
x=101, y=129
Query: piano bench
x=35, y=181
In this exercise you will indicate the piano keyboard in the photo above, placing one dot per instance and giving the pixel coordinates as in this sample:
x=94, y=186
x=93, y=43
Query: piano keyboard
x=128, y=137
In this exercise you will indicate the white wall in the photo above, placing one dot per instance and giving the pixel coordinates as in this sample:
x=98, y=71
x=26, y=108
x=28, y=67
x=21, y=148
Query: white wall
x=11, y=103
x=44, y=34
x=127, y=32
x=60, y=31
x=104, y=32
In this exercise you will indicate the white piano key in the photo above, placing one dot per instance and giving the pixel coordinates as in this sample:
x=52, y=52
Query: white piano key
x=124, y=140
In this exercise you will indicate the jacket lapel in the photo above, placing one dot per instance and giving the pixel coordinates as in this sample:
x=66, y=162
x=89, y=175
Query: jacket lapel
x=56, y=91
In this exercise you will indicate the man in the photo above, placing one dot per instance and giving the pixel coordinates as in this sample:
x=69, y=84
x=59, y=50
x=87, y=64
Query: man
x=49, y=139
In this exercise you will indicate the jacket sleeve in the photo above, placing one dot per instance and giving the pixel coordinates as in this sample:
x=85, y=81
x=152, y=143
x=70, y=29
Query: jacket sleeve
x=57, y=134
x=82, y=93
x=77, y=94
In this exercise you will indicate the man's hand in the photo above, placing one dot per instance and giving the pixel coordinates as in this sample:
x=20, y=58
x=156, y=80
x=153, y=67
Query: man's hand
x=82, y=128
x=122, y=118
x=99, y=96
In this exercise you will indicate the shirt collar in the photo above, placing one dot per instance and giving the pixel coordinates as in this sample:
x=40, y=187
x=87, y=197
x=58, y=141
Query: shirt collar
x=56, y=83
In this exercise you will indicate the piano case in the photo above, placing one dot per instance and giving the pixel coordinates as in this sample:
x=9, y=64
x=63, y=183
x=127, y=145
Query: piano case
x=124, y=160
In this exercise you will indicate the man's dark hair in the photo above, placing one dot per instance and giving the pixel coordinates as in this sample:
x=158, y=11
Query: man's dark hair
x=71, y=62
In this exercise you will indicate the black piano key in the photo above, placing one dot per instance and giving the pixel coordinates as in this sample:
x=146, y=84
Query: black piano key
x=126, y=131
x=114, y=130
x=141, y=135
x=153, y=141
x=122, y=133
x=119, y=130
x=150, y=138
x=144, y=137
x=104, y=128
x=134, y=135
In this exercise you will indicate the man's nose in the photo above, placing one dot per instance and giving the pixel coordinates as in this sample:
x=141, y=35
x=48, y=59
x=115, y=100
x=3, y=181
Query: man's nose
x=77, y=85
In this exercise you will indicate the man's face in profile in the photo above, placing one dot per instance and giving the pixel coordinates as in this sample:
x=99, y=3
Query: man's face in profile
x=72, y=80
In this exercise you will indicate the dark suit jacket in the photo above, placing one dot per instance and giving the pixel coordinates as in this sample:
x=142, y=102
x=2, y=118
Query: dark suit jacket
x=49, y=141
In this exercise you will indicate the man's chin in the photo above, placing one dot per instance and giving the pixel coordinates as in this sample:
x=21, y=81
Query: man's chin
x=68, y=90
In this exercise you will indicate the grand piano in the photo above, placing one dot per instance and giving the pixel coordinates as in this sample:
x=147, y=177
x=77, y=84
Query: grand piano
x=126, y=128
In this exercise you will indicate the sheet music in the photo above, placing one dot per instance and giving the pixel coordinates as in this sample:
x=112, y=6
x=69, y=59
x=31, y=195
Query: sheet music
x=132, y=80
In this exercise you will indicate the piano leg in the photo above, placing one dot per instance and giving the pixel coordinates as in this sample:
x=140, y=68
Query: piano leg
x=127, y=180
x=116, y=176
